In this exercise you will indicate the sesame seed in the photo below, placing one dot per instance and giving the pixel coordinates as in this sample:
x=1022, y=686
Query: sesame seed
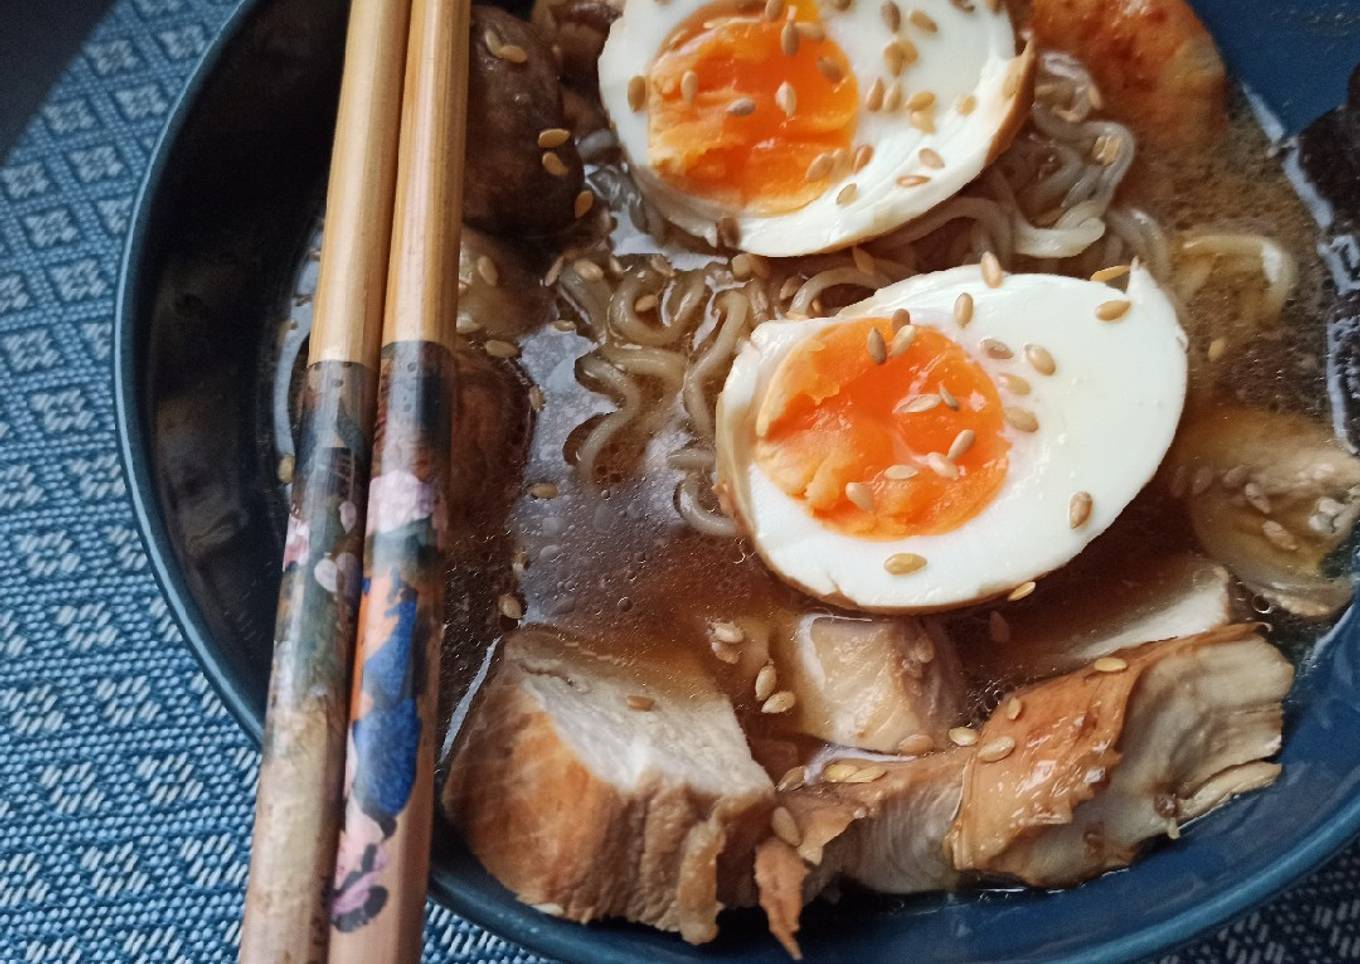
x=863, y=155
x=689, y=86
x=726, y=632
x=866, y=774
x=840, y=161
x=554, y=165
x=1021, y=591
x=588, y=270
x=915, y=745
x=1235, y=476
x=1014, y=708
x=726, y=652
x=922, y=121
x=1041, y=360
x=895, y=57
x=965, y=5
x=766, y=680
x=900, y=472
x=512, y=53
x=941, y=465
x=1204, y=477
x=912, y=180
x=1279, y=536
x=991, y=270
x=742, y=107
x=510, y=607
x=465, y=325
x=500, y=349
x=996, y=349
x=997, y=628
x=948, y=398
x=878, y=351
x=997, y=749
x=788, y=39
x=553, y=137
x=847, y=194
x=874, y=99
x=963, y=736
x=774, y=9
x=637, y=701
x=493, y=42
x=488, y=271
x=785, y=827
x=839, y=771
x=903, y=340
x=615, y=267
x=536, y=398
x=1110, y=273
x=582, y=205
x=892, y=16
x=902, y=563
x=811, y=31
x=830, y=70
x=963, y=309
x=922, y=21
x=820, y=167
x=921, y=100
x=1021, y=419
x=900, y=319
x=961, y=444
x=1179, y=482
x=780, y=702
x=861, y=495
x=786, y=99
x=543, y=490
x=637, y=92
x=792, y=779
x=931, y=158
x=555, y=269
x=1113, y=310
x=564, y=324
x=893, y=98
x=1110, y=664
x=966, y=104
x=1217, y=348
x=841, y=5
x=1078, y=509
x=921, y=403
x=1013, y=384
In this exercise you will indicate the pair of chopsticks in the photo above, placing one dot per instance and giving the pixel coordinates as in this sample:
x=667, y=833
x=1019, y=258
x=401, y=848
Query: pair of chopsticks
x=341, y=845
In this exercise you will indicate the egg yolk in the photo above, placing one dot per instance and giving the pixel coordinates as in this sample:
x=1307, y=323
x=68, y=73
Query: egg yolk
x=719, y=126
x=832, y=416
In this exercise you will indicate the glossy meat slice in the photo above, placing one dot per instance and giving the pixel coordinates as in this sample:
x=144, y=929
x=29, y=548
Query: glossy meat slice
x=1072, y=621
x=1156, y=64
x=596, y=789
x=881, y=824
x=869, y=683
x=1096, y=762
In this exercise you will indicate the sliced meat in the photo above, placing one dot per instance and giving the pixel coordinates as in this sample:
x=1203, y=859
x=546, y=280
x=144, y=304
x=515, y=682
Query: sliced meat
x=510, y=186
x=1099, y=761
x=881, y=824
x=1068, y=625
x=1284, y=496
x=869, y=683
x=594, y=788
x=1155, y=63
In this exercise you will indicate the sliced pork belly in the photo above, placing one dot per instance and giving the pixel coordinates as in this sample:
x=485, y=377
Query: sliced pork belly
x=597, y=789
x=869, y=682
x=1073, y=776
x=879, y=823
x=1070, y=624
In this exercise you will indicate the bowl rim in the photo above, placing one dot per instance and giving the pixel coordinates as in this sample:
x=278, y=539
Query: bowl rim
x=515, y=921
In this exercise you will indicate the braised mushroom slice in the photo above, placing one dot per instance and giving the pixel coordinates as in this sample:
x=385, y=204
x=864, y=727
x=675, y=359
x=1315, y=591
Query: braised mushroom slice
x=1277, y=495
x=1156, y=64
x=870, y=683
x=500, y=296
x=1094, y=613
x=577, y=28
x=595, y=787
x=879, y=823
x=520, y=177
x=1072, y=775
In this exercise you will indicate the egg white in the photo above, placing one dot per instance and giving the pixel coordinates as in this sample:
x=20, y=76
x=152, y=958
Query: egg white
x=1106, y=418
x=972, y=53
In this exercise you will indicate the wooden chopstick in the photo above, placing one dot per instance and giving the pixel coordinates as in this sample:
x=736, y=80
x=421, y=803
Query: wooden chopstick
x=377, y=910
x=298, y=804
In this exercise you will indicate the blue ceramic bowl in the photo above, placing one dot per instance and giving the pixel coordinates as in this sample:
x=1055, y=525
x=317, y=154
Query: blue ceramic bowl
x=221, y=223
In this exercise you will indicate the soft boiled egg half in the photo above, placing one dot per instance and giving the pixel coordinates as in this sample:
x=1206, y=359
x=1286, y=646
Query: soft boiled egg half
x=790, y=127
x=946, y=441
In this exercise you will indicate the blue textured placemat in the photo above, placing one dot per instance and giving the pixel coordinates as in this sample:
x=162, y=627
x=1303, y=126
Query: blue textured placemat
x=125, y=788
